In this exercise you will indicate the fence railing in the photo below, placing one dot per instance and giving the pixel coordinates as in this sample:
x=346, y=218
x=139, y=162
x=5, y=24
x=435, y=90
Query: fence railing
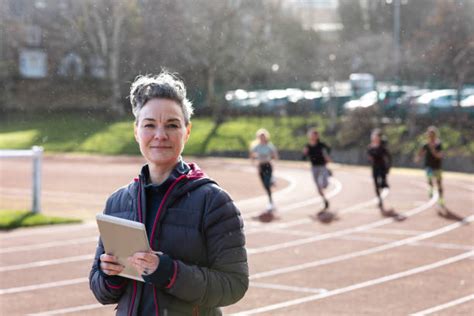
x=36, y=153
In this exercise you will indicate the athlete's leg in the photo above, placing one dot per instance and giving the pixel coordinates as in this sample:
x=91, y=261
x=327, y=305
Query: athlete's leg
x=429, y=177
x=318, y=179
x=377, y=175
x=383, y=178
x=265, y=171
x=438, y=175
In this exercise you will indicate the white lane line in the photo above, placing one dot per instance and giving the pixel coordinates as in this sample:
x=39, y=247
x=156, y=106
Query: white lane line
x=67, y=242
x=62, y=198
x=61, y=195
x=257, y=227
x=291, y=186
x=70, y=310
x=444, y=306
x=45, y=263
x=66, y=228
x=287, y=269
x=282, y=287
x=67, y=282
x=414, y=244
x=466, y=187
x=392, y=231
x=302, y=241
x=252, y=284
x=351, y=255
x=42, y=286
x=358, y=286
x=51, y=244
x=92, y=224
x=375, y=239
x=356, y=207
x=86, y=239
x=337, y=189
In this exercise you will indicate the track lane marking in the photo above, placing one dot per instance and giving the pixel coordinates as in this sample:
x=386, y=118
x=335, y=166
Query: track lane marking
x=358, y=286
x=76, y=241
x=303, y=241
x=42, y=286
x=282, y=287
x=70, y=310
x=257, y=227
x=337, y=189
x=44, y=263
x=351, y=255
x=278, y=271
x=438, y=308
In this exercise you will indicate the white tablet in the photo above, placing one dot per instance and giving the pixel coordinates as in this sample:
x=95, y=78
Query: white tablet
x=122, y=238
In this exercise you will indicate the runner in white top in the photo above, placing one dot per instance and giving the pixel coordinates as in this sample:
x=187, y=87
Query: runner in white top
x=264, y=151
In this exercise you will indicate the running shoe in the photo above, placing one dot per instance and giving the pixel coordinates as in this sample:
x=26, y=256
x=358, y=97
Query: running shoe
x=270, y=207
x=326, y=204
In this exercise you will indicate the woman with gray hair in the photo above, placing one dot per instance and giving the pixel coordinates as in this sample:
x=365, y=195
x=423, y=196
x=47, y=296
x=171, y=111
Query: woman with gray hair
x=199, y=261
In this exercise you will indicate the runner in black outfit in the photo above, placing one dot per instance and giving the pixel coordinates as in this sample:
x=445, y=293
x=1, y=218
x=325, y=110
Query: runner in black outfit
x=432, y=151
x=318, y=153
x=381, y=161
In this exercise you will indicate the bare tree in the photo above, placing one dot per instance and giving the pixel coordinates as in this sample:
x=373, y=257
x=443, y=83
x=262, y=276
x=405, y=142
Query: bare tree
x=446, y=41
x=103, y=23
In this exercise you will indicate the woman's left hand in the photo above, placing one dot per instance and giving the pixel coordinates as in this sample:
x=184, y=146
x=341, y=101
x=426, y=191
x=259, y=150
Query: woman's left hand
x=144, y=262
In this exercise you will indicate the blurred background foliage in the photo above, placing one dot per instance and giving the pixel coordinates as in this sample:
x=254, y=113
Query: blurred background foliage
x=93, y=50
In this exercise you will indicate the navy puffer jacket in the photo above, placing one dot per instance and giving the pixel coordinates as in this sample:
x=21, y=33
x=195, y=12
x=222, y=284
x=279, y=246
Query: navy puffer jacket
x=201, y=230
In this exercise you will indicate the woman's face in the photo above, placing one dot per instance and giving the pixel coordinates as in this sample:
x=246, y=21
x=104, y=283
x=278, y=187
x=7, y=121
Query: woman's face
x=263, y=138
x=313, y=136
x=375, y=138
x=161, y=132
x=431, y=136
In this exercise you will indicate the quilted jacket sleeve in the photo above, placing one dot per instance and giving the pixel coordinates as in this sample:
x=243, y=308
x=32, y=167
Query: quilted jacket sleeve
x=107, y=289
x=226, y=279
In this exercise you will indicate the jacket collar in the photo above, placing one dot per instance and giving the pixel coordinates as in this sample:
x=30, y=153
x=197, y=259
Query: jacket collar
x=181, y=168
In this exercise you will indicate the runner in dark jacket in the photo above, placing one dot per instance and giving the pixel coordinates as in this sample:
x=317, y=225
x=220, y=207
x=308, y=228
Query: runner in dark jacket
x=381, y=160
x=318, y=153
x=432, y=151
x=190, y=220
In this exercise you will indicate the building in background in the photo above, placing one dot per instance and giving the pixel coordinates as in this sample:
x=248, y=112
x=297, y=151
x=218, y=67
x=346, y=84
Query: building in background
x=321, y=16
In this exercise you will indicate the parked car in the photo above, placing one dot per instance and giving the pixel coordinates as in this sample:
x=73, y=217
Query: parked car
x=468, y=101
x=437, y=100
x=467, y=104
x=407, y=103
x=388, y=99
x=367, y=100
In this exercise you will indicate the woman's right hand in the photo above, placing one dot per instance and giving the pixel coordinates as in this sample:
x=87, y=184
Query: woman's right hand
x=109, y=264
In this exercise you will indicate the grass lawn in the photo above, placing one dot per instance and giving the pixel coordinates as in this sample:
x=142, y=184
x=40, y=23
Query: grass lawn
x=91, y=133
x=10, y=219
